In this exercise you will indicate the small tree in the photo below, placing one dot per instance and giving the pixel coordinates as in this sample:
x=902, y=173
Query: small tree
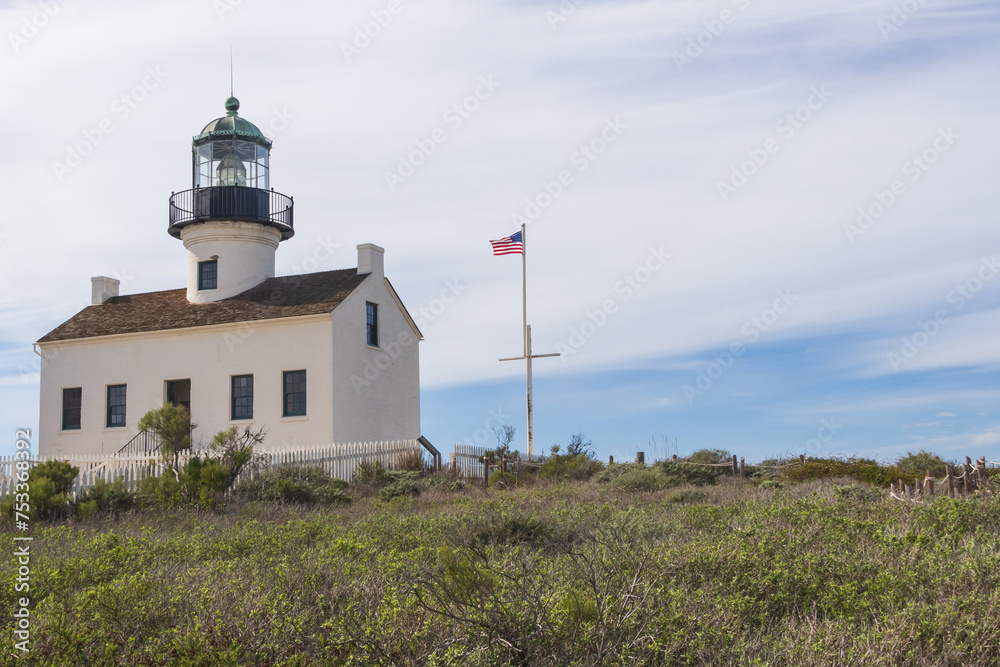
x=172, y=425
x=505, y=436
x=580, y=445
x=232, y=449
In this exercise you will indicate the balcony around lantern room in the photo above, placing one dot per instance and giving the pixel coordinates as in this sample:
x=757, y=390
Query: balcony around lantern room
x=231, y=202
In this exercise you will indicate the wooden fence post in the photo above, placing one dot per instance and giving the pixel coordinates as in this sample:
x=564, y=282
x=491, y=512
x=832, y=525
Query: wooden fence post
x=486, y=473
x=743, y=470
x=640, y=458
x=736, y=470
x=802, y=459
x=929, y=484
x=949, y=480
x=969, y=484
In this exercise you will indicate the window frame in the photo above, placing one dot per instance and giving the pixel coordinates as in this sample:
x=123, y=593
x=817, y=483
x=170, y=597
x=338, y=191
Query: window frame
x=371, y=324
x=201, y=274
x=109, y=411
x=63, y=426
x=285, y=394
x=233, y=379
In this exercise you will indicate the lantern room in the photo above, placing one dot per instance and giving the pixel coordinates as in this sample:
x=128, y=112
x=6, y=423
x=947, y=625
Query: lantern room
x=231, y=151
x=231, y=178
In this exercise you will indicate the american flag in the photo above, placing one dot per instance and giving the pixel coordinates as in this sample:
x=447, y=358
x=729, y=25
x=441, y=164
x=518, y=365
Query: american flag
x=511, y=245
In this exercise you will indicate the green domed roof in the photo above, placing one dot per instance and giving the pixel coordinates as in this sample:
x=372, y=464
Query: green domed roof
x=232, y=127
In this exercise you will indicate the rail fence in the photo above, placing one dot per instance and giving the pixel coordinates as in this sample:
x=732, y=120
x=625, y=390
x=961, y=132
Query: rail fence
x=338, y=460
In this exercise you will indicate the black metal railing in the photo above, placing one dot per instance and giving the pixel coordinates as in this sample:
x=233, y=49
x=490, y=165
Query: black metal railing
x=145, y=442
x=231, y=202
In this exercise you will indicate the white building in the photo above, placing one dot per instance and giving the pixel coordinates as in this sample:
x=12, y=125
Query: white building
x=316, y=358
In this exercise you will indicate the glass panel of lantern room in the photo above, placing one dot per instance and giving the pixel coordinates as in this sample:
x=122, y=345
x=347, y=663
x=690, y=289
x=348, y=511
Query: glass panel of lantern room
x=204, y=172
x=262, y=159
x=230, y=169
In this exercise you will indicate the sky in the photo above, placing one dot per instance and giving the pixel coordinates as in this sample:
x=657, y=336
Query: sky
x=767, y=227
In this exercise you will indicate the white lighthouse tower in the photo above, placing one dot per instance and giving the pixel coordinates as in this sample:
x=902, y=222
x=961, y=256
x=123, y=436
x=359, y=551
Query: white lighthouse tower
x=231, y=221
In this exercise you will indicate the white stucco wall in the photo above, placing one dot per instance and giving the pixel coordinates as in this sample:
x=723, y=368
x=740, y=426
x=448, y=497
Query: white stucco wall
x=245, y=254
x=206, y=355
x=376, y=391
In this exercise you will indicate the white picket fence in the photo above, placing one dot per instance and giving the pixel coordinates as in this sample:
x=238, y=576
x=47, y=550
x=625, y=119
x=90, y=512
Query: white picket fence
x=338, y=460
x=466, y=460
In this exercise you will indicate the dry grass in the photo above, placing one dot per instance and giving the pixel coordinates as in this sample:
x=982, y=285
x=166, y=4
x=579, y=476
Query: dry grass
x=823, y=573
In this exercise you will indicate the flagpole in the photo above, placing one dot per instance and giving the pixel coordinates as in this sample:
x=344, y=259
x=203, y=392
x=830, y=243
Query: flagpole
x=527, y=335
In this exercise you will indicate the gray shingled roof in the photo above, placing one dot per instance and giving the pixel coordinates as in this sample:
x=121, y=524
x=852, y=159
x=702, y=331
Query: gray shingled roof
x=288, y=296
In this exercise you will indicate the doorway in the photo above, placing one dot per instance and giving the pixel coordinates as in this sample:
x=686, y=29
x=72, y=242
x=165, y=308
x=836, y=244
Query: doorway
x=179, y=393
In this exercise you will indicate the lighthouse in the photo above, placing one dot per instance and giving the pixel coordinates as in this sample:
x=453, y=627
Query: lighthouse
x=231, y=221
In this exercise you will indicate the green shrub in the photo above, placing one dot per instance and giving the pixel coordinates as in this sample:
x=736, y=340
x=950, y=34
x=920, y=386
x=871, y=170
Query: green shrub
x=103, y=496
x=677, y=473
x=398, y=488
x=686, y=496
x=916, y=465
x=613, y=471
x=447, y=484
x=293, y=484
x=640, y=479
x=502, y=480
x=576, y=467
x=862, y=470
x=371, y=472
x=48, y=490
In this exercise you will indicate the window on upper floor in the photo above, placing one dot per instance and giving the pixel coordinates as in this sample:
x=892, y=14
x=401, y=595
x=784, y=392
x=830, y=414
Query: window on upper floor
x=72, y=399
x=242, y=397
x=208, y=274
x=116, y=406
x=372, y=323
x=294, y=392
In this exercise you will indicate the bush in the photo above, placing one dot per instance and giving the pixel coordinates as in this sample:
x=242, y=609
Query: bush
x=400, y=487
x=640, y=479
x=676, y=473
x=411, y=461
x=613, y=471
x=576, y=467
x=294, y=484
x=447, y=484
x=502, y=480
x=861, y=470
x=916, y=465
x=48, y=488
x=103, y=496
x=371, y=472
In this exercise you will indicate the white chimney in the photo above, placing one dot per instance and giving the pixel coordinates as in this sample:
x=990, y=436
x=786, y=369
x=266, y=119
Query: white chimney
x=102, y=289
x=371, y=259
